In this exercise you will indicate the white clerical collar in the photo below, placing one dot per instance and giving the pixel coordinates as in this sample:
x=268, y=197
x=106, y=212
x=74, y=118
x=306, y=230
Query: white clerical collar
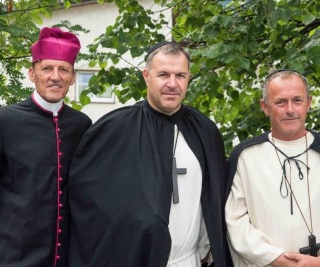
x=52, y=107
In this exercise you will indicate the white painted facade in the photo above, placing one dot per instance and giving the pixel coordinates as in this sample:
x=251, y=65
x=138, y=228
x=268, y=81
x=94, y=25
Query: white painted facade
x=94, y=17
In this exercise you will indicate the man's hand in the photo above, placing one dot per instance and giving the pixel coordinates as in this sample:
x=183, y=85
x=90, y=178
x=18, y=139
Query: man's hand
x=303, y=260
x=283, y=261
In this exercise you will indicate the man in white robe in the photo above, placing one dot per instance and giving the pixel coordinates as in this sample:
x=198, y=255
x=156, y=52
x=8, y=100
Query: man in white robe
x=272, y=208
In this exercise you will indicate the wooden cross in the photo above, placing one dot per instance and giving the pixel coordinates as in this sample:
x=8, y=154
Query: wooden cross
x=175, y=172
x=313, y=247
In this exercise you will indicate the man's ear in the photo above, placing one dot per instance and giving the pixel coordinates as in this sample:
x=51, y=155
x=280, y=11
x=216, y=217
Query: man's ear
x=309, y=102
x=73, y=80
x=264, y=107
x=145, y=75
x=31, y=75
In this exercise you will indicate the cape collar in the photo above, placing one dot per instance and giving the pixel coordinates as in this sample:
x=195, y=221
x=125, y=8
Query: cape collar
x=173, y=118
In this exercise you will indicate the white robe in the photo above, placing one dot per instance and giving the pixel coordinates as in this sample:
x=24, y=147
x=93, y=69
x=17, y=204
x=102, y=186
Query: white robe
x=188, y=234
x=259, y=220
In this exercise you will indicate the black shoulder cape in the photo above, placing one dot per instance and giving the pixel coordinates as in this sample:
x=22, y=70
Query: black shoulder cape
x=234, y=156
x=121, y=187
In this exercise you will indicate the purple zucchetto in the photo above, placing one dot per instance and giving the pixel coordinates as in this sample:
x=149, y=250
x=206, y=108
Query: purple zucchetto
x=56, y=44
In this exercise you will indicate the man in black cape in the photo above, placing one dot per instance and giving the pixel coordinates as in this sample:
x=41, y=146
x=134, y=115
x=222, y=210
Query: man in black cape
x=125, y=192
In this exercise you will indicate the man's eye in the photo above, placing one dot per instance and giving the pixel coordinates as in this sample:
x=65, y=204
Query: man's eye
x=280, y=103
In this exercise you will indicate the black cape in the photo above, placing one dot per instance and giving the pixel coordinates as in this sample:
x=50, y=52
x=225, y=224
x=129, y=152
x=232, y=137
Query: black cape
x=33, y=177
x=121, y=187
x=234, y=156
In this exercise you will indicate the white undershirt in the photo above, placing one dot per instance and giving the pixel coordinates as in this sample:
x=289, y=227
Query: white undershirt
x=186, y=224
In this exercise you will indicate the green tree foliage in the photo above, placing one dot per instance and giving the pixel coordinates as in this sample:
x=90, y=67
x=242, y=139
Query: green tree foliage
x=19, y=29
x=233, y=46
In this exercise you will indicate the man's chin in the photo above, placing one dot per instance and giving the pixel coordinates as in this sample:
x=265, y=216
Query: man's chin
x=54, y=99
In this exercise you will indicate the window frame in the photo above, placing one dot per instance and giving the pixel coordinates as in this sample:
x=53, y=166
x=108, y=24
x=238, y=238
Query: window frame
x=94, y=98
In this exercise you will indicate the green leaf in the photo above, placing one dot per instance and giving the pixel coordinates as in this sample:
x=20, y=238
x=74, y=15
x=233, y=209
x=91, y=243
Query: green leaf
x=244, y=63
x=313, y=54
x=84, y=99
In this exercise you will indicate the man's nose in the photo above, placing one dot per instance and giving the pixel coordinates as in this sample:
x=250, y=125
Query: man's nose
x=290, y=107
x=172, y=81
x=55, y=74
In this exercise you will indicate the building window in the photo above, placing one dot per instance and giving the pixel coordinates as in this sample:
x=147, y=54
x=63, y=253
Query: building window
x=225, y=2
x=82, y=82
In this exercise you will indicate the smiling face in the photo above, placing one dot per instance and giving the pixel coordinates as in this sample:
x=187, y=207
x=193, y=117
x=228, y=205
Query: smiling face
x=167, y=80
x=287, y=106
x=52, y=79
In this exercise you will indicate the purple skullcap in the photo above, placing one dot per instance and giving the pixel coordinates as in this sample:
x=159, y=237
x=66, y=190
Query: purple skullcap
x=56, y=44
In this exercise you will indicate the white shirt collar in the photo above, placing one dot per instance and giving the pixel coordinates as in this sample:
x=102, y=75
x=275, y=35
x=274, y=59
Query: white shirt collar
x=52, y=107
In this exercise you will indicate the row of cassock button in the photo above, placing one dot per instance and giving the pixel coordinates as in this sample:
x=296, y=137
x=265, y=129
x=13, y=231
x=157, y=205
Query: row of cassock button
x=60, y=192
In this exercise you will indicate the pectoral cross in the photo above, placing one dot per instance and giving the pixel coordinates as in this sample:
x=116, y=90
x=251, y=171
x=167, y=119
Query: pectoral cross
x=313, y=247
x=175, y=172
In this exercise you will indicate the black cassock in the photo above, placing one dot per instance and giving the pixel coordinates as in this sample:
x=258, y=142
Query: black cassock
x=121, y=187
x=36, y=150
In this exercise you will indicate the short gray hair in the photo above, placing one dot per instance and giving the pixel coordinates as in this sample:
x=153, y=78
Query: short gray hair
x=282, y=73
